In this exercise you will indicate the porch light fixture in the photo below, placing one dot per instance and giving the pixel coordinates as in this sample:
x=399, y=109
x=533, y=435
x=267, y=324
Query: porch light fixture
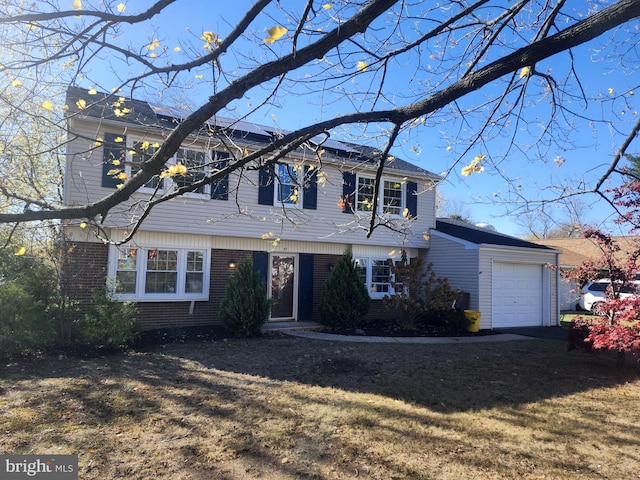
x=232, y=264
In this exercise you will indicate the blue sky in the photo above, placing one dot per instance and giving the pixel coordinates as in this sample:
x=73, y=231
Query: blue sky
x=483, y=196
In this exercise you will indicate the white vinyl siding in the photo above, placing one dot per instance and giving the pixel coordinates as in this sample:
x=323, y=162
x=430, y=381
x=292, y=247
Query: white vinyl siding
x=242, y=216
x=469, y=267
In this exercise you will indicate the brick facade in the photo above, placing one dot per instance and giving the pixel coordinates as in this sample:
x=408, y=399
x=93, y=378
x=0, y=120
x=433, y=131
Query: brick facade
x=84, y=270
x=85, y=267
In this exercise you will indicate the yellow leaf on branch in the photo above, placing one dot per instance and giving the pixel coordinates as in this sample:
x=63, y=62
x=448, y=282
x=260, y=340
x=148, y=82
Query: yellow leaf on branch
x=21, y=251
x=47, y=105
x=275, y=34
x=122, y=7
x=525, y=72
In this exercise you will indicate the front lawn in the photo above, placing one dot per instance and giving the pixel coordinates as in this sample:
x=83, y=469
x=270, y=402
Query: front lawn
x=293, y=408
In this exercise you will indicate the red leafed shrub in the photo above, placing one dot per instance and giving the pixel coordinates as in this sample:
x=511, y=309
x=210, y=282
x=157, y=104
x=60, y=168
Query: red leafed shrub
x=599, y=335
x=619, y=330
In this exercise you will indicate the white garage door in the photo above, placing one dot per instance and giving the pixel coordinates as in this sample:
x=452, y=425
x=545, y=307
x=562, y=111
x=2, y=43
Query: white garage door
x=517, y=295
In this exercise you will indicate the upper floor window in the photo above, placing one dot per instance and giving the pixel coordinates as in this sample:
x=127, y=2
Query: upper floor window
x=124, y=157
x=141, y=152
x=195, y=161
x=289, y=185
x=288, y=191
x=390, y=200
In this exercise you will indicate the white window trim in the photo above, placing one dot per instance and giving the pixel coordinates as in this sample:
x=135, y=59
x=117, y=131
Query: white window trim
x=141, y=269
x=299, y=174
x=206, y=195
x=380, y=210
x=369, y=277
x=166, y=184
x=129, y=165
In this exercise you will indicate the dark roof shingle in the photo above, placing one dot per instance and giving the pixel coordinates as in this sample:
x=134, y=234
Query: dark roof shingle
x=482, y=236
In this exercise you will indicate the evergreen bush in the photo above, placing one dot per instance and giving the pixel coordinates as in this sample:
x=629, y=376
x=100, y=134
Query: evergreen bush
x=245, y=306
x=27, y=287
x=344, y=300
x=108, y=323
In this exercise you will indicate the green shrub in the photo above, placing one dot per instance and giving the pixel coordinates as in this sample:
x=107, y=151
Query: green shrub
x=344, y=299
x=245, y=306
x=27, y=288
x=108, y=322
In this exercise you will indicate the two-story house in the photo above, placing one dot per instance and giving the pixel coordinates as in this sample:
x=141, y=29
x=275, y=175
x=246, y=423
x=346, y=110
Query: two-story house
x=292, y=220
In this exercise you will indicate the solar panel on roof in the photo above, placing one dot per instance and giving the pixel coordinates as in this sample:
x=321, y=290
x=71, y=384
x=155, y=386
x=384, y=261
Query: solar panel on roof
x=239, y=125
x=334, y=144
x=177, y=112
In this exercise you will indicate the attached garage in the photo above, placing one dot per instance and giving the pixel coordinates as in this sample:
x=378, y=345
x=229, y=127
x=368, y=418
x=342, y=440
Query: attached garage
x=509, y=280
x=517, y=295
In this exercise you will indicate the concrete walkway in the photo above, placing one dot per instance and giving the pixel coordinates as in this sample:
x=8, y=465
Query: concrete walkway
x=306, y=330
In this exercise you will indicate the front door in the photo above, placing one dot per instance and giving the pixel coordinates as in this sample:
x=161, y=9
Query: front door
x=283, y=286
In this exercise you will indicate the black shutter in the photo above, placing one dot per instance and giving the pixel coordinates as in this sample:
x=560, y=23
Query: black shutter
x=265, y=187
x=305, y=287
x=411, y=200
x=348, y=200
x=261, y=265
x=112, y=151
x=220, y=187
x=310, y=190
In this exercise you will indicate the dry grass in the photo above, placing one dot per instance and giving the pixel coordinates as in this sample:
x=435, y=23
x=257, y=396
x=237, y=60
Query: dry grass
x=291, y=408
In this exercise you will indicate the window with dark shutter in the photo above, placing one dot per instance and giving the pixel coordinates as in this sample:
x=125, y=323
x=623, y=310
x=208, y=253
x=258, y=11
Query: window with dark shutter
x=310, y=189
x=220, y=187
x=348, y=192
x=265, y=187
x=114, y=149
x=411, y=200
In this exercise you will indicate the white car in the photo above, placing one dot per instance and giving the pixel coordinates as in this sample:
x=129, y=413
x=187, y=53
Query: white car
x=592, y=297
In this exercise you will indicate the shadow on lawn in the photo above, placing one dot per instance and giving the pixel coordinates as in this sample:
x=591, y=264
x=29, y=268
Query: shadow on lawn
x=445, y=378
x=211, y=403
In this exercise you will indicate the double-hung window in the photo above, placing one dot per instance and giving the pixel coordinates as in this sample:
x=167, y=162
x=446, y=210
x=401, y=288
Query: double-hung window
x=390, y=200
x=287, y=191
x=140, y=152
x=376, y=275
x=166, y=274
x=196, y=163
